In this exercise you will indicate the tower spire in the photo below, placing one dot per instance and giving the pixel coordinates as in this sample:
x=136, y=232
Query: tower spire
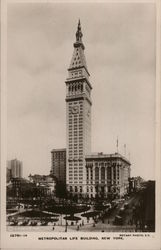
x=78, y=59
x=79, y=33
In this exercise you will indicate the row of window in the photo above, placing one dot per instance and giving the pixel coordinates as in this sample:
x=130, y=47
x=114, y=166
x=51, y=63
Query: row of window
x=71, y=147
x=78, y=145
x=75, y=189
x=75, y=132
x=75, y=174
x=75, y=136
x=75, y=126
x=76, y=164
x=76, y=116
x=60, y=155
x=75, y=140
x=75, y=103
x=75, y=178
x=80, y=171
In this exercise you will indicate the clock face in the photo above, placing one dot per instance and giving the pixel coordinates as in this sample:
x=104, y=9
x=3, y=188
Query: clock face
x=75, y=109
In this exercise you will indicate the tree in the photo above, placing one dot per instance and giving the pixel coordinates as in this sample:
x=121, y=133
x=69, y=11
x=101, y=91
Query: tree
x=60, y=190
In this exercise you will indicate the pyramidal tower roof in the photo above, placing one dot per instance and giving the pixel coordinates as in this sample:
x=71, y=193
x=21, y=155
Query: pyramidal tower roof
x=78, y=58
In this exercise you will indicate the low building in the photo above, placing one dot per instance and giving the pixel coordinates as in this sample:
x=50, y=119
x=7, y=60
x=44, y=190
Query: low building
x=46, y=181
x=16, y=187
x=58, y=165
x=22, y=189
x=107, y=175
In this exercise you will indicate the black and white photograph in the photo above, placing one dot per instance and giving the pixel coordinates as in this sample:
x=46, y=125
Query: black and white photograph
x=80, y=117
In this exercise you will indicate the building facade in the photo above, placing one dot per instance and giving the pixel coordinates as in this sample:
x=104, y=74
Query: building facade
x=78, y=117
x=58, y=164
x=107, y=175
x=87, y=175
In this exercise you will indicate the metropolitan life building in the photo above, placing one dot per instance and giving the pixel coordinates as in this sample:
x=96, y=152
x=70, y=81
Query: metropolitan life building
x=87, y=175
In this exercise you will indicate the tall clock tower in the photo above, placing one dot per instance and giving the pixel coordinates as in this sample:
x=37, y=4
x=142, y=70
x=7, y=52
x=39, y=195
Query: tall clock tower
x=78, y=115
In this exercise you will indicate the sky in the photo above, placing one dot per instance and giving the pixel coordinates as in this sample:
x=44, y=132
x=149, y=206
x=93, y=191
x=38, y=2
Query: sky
x=119, y=41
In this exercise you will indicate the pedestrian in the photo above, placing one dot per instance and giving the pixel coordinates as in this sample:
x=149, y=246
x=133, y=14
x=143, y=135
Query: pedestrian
x=53, y=228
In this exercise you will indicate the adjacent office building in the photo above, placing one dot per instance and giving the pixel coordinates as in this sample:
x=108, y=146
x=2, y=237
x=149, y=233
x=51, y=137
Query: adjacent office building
x=14, y=169
x=107, y=175
x=58, y=164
